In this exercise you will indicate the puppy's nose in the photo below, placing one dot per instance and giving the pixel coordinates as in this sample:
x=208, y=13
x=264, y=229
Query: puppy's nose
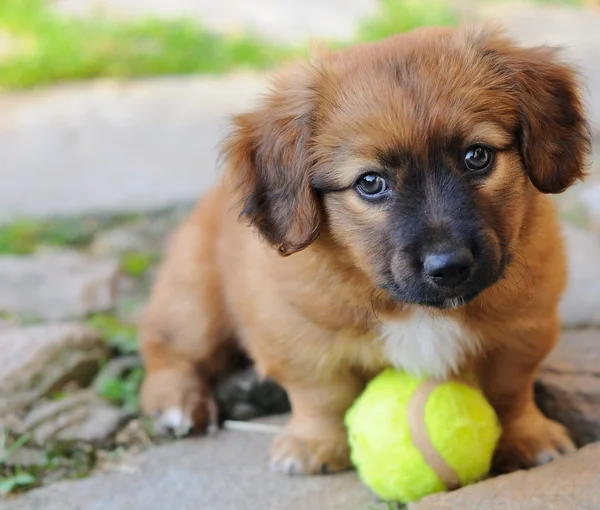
x=449, y=268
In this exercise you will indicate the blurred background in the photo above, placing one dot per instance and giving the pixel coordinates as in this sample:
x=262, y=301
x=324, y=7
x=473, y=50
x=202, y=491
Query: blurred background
x=110, y=116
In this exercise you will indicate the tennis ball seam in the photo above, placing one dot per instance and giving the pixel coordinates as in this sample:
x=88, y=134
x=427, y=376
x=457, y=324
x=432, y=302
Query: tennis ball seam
x=420, y=434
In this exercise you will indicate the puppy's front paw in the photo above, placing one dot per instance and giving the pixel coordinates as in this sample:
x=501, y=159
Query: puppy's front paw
x=179, y=402
x=296, y=453
x=530, y=441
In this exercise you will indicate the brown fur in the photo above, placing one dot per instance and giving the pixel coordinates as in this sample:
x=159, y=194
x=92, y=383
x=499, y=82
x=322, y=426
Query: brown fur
x=310, y=321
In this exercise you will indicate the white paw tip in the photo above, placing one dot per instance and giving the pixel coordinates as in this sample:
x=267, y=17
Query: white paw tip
x=288, y=465
x=174, y=420
x=546, y=456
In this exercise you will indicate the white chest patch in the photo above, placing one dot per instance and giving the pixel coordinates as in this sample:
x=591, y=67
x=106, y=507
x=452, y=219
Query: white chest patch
x=426, y=345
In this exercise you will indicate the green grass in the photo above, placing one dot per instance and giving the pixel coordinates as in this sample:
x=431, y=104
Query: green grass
x=7, y=447
x=15, y=479
x=122, y=391
x=19, y=480
x=60, y=459
x=397, y=16
x=51, y=48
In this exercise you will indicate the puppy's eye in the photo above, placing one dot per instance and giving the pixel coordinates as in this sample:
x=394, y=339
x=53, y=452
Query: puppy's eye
x=479, y=158
x=371, y=185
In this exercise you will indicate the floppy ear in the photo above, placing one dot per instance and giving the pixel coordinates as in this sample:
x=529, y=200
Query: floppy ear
x=268, y=157
x=554, y=135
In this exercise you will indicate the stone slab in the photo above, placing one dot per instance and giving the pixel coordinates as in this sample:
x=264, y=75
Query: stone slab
x=114, y=146
x=39, y=359
x=220, y=472
x=577, y=353
x=571, y=483
x=579, y=304
x=57, y=284
x=568, y=387
x=81, y=416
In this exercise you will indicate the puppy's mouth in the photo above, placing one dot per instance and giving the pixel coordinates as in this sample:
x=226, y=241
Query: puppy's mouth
x=414, y=289
x=425, y=297
x=456, y=301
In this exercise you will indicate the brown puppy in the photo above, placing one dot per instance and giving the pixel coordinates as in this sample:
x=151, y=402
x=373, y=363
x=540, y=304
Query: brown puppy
x=407, y=182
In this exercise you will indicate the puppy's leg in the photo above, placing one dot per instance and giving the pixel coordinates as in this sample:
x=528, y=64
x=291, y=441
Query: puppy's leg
x=507, y=377
x=315, y=440
x=186, y=339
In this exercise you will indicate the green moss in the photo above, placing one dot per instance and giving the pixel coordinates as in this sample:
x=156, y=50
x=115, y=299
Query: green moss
x=19, y=238
x=26, y=236
x=122, y=337
x=136, y=264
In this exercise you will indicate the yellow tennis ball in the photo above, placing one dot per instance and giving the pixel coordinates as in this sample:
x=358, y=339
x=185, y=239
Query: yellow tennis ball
x=410, y=437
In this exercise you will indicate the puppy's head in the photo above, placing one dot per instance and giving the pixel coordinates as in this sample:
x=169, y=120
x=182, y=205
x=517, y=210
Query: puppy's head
x=420, y=156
